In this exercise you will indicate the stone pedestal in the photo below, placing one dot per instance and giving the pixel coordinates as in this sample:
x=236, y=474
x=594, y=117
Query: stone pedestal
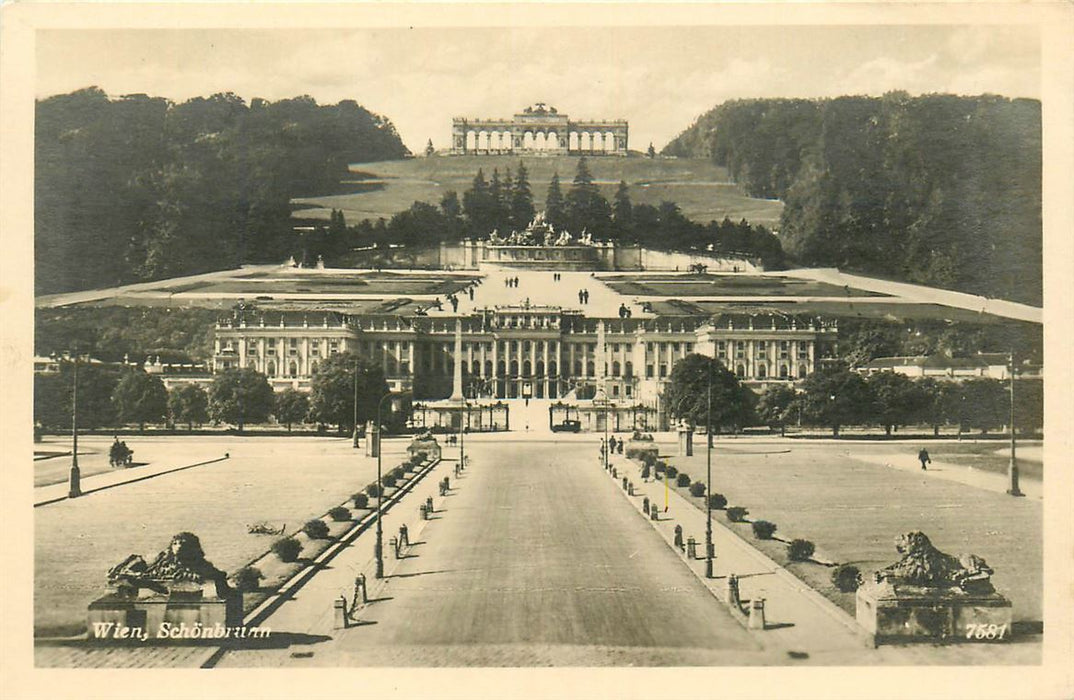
x=900, y=613
x=118, y=618
x=372, y=440
x=686, y=442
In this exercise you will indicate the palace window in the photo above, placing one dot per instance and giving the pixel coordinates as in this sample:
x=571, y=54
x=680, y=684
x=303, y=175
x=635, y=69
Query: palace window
x=740, y=371
x=689, y=347
x=404, y=367
x=721, y=349
x=762, y=371
x=762, y=346
x=783, y=372
x=627, y=387
x=649, y=371
x=615, y=390
x=628, y=369
x=663, y=370
x=615, y=368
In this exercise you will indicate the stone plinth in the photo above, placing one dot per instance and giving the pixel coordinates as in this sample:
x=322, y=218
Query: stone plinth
x=686, y=442
x=900, y=613
x=118, y=618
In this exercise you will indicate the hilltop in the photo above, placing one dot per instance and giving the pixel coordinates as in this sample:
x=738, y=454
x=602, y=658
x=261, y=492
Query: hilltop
x=702, y=190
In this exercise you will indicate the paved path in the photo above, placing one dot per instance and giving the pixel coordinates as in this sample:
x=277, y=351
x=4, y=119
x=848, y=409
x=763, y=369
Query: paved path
x=533, y=560
x=540, y=287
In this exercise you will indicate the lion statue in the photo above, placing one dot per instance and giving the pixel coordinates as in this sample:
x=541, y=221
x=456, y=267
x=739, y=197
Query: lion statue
x=183, y=562
x=924, y=565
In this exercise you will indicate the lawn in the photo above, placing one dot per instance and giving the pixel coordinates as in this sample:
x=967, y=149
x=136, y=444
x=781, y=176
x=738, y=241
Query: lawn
x=725, y=285
x=701, y=189
x=852, y=511
x=277, y=480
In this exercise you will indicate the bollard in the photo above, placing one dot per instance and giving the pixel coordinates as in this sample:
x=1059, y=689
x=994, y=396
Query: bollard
x=654, y=513
x=447, y=484
x=691, y=548
x=404, y=536
x=678, y=536
x=645, y=504
x=630, y=488
x=423, y=511
x=624, y=483
x=429, y=504
x=756, y=614
x=339, y=613
x=615, y=473
x=731, y=592
x=395, y=546
x=359, y=585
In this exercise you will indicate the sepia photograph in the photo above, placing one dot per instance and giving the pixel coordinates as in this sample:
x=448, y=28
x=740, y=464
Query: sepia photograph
x=670, y=350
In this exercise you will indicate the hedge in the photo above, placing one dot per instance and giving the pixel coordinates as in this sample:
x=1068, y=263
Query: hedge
x=736, y=514
x=287, y=549
x=763, y=530
x=316, y=529
x=800, y=550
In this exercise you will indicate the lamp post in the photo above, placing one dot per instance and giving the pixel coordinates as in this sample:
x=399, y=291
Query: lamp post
x=75, y=488
x=708, y=479
x=378, y=546
x=1012, y=468
x=355, y=436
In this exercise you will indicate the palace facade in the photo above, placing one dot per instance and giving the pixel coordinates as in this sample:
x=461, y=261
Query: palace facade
x=539, y=129
x=527, y=352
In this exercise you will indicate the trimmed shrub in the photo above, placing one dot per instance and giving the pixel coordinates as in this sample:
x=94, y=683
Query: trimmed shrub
x=388, y=480
x=672, y=472
x=763, y=530
x=248, y=578
x=660, y=467
x=645, y=471
x=846, y=577
x=697, y=489
x=339, y=514
x=683, y=479
x=287, y=549
x=316, y=529
x=361, y=500
x=718, y=501
x=372, y=490
x=736, y=514
x=800, y=550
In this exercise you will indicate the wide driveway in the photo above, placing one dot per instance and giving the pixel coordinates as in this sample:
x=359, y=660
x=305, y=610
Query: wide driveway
x=536, y=559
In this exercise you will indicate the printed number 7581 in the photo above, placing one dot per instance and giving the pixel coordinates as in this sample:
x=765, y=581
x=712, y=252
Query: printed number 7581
x=984, y=631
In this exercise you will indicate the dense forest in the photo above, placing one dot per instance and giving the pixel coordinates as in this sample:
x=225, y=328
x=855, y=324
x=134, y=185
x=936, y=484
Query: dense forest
x=138, y=188
x=937, y=189
x=504, y=203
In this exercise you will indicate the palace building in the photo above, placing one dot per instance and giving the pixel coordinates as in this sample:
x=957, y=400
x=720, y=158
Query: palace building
x=539, y=129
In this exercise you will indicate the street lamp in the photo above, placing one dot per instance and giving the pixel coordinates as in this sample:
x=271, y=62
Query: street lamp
x=75, y=489
x=355, y=437
x=1012, y=468
x=708, y=479
x=378, y=546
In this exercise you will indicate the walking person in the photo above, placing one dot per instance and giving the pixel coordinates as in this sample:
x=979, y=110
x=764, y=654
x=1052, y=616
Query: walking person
x=923, y=457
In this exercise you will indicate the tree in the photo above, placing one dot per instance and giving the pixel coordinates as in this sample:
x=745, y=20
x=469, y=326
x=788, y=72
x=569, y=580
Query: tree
x=429, y=150
x=332, y=390
x=621, y=208
x=898, y=400
x=239, y=396
x=555, y=208
x=775, y=406
x=140, y=398
x=835, y=397
x=587, y=209
x=987, y=403
x=522, y=210
x=480, y=206
x=188, y=404
x=651, y=152
x=292, y=406
x=687, y=394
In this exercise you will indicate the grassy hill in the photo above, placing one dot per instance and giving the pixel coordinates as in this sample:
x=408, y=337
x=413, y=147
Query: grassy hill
x=701, y=189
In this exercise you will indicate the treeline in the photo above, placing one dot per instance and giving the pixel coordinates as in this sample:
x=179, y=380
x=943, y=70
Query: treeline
x=138, y=188
x=116, y=333
x=111, y=396
x=504, y=203
x=937, y=189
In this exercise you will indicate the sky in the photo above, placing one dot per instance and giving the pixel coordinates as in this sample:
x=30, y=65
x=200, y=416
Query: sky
x=659, y=78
